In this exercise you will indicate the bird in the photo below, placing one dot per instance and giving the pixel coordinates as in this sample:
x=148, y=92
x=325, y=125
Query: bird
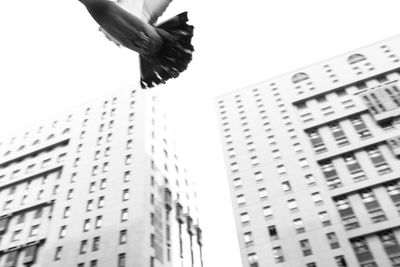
x=165, y=49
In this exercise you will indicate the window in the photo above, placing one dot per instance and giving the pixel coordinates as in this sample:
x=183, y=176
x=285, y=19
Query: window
x=237, y=182
x=21, y=218
x=89, y=206
x=262, y=192
x=96, y=243
x=316, y=197
x=127, y=176
x=100, y=202
x=124, y=215
x=62, y=232
x=273, y=233
x=86, y=225
x=292, y=204
x=303, y=163
x=340, y=261
x=128, y=159
x=95, y=169
x=105, y=167
x=40, y=195
x=125, y=194
x=240, y=199
x=278, y=254
x=248, y=238
x=286, y=186
x=122, y=237
x=61, y=157
x=299, y=225
x=57, y=254
x=67, y=212
x=267, y=211
x=92, y=187
x=310, y=180
x=324, y=218
x=69, y=194
x=311, y=264
x=83, y=247
x=16, y=235
x=122, y=260
x=332, y=240
x=252, y=259
x=93, y=263
x=99, y=222
x=388, y=239
x=103, y=184
x=244, y=218
x=34, y=230
x=281, y=169
x=276, y=154
x=38, y=213
x=305, y=247
x=258, y=176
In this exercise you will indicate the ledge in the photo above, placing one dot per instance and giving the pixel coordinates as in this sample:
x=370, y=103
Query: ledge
x=22, y=155
x=334, y=153
x=373, y=228
x=323, y=92
x=370, y=182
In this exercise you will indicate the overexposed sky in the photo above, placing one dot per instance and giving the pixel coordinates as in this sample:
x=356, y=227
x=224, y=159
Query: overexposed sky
x=52, y=58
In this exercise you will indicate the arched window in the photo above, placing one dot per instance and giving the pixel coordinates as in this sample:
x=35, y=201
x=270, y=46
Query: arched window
x=66, y=131
x=298, y=77
x=50, y=137
x=355, y=58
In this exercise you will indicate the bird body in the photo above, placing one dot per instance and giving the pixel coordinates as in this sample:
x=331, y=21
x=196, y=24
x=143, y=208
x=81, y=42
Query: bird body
x=165, y=50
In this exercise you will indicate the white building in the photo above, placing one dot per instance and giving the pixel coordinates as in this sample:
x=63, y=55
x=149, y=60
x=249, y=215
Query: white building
x=312, y=158
x=101, y=185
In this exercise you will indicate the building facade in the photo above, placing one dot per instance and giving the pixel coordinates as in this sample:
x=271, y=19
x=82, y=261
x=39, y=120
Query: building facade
x=99, y=186
x=312, y=158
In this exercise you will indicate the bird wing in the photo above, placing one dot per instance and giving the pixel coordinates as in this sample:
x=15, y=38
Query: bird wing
x=148, y=10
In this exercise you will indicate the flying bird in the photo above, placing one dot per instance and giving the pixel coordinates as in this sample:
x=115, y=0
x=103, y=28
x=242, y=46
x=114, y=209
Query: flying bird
x=165, y=49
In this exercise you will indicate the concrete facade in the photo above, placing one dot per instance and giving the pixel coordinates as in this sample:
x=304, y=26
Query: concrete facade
x=312, y=158
x=101, y=185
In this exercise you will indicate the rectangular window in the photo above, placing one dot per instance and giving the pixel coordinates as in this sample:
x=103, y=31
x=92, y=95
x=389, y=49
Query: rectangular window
x=57, y=254
x=62, y=232
x=34, y=230
x=240, y=200
x=248, y=238
x=316, y=197
x=127, y=176
x=99, y=222
x=332, y=240
x=124, y=215
x=123, y=237
x=83, y=247
x=267, y=211
x=100, y=202
x=262, y=192
x=273, y=233
x=278, y=254
x=122, y=260
x=244, y=218
x=299, y=225
x=16, y=235
x=305, y=247
x=292, y=204
x=86, y=225
x=252, y=259
x=96, y=243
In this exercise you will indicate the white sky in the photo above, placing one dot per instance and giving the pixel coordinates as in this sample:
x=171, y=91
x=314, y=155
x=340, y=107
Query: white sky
x=52, y=58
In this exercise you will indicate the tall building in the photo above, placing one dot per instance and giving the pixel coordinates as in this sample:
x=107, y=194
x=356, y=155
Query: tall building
x=312, y=158
x=98, y=186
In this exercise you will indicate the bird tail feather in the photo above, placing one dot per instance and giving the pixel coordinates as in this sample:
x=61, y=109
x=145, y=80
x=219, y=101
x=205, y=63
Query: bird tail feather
x=175, y=55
